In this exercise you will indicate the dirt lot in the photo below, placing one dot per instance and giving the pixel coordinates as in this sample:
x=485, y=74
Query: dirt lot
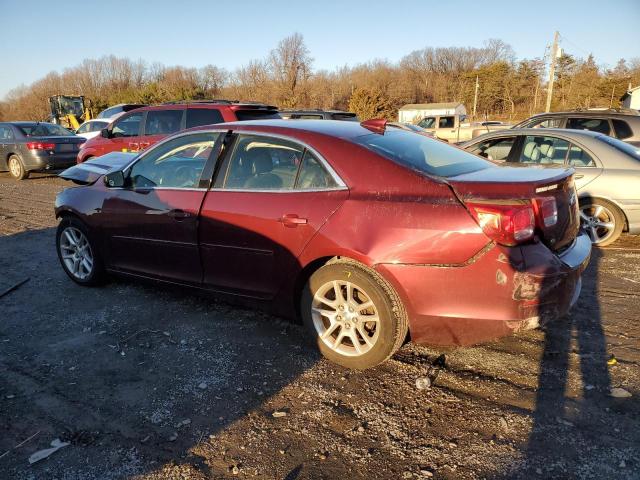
x=148, y=382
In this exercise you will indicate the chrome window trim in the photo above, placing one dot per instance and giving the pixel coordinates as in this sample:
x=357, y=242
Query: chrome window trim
x=341, y=185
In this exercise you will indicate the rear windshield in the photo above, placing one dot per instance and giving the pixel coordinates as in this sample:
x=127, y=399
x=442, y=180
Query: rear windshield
x=44, y=130
x=622, y=146
x=257, y=115
x=422, y=154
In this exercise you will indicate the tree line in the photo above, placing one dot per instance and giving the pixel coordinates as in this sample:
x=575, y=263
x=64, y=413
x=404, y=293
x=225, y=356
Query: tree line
x=508, y=88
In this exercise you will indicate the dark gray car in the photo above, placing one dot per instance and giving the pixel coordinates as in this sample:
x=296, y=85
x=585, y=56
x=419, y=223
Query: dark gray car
x=36, y=146
x=621, y=124
x=607, y=172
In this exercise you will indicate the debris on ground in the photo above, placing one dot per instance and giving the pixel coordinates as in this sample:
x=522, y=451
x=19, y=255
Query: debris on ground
x=618, y=392
x=56, y=445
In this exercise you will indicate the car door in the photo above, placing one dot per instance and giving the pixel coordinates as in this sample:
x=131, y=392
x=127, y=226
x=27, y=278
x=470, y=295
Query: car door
x=124, y=134
x=587, y=167
x=446, y=129
x=7, y=141
x=270, y=198
x=158, y=124
x=151, y=224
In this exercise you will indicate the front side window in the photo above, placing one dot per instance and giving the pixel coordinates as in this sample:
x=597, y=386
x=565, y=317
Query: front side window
x=313, y=175
x=496, y=149
x=128, y=126
x=600, y=125
x=547, y=123
x=579, y=158
x=162, y=122
x=177, y=163
x=447, y=122
x=427, y=122
x=544, y=150
x=263, y=163
x=422, y=154
x=203, y=116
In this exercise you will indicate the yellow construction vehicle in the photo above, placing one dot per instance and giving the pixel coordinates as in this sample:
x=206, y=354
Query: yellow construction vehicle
x=69, y=111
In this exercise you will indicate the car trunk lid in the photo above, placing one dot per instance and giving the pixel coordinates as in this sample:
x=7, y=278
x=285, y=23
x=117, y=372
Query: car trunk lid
x=550, y=193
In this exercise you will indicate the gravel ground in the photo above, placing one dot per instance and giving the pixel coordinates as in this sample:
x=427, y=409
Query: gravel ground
x=149, y=382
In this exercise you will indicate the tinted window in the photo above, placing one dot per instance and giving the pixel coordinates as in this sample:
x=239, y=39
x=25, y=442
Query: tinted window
x=263, y=163
x=177, y=163
x=621, y=128
x=579, y=158
x=421, y=153
x=600, y=125
x=109, y=112
x=627, y=148
x=5, y=133
x=350, y=117
x=545, y=123
x=44, y=130
x=128, y=126
x=544, y=150
x=256, y=115
x=427, y=122
x=446, y=122
x=162, y=122
x=307, y=116
x=94, y=126
x=496, y=149
x=313, y=175
x=203, y=116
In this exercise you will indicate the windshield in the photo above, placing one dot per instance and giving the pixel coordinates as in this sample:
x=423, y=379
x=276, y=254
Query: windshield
x=422, y=154
x=44, y=130
x=244, y=115
x=622, y=146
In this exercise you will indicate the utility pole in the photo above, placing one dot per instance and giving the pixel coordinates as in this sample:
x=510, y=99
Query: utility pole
x=552, y=70
x=475, y=98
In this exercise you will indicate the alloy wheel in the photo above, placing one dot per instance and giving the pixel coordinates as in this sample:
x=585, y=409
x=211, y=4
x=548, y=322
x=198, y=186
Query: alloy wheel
x=14, y=167
x=76, y=253
x=598, y=221
x=345, y=318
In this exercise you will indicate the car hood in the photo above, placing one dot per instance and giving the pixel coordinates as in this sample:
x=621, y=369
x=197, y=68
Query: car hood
x=88, y=172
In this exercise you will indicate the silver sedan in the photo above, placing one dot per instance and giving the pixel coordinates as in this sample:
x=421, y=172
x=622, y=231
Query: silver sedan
x=607, y=172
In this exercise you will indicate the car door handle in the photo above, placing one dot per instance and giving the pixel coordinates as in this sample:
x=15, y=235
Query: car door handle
x=578, y=175
x=178, y=214
x=292, y=220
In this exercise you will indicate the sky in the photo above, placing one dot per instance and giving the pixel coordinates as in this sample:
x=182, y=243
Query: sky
x=40, y=36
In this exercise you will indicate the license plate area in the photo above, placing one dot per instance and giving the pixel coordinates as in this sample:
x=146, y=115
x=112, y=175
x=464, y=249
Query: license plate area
x=66, y=147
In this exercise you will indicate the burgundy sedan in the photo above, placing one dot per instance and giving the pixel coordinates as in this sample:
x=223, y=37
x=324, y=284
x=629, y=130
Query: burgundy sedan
x=367, y=233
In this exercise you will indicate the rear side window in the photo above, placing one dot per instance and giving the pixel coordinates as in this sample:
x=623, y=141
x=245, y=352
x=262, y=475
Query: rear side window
x=263, y=163
x=313, y=175
x=579, y=158
x=422, y=154
x=350, y=117
x=5, y=133
x=544, y=150
x=244, y=115
x=621, y=128
x=162, y=122
x=600, y=125
x=203, y=116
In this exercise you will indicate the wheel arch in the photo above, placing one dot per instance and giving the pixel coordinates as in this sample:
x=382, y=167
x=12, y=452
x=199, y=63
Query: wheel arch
x=591, y=198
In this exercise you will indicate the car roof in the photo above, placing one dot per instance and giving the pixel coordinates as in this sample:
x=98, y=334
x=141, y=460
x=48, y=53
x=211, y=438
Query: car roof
x=333, y=128
x=588, y=113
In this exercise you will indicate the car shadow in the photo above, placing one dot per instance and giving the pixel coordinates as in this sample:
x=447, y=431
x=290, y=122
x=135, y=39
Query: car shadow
x=133, y=375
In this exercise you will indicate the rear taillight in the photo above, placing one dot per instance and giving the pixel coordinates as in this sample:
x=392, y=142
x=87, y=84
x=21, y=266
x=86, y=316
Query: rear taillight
x=547, y=211
x=41, y=146
x=507, y=224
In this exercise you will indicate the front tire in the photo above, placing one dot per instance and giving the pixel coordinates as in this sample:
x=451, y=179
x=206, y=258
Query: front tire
x=602, y=220
x=16, y=168
x=77, y=252
x=353, y=315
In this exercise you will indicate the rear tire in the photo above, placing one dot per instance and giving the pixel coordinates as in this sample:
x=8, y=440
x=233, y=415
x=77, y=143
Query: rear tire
x=16, y=168
x=353, y=315
x=602, y=220
x=78, y=253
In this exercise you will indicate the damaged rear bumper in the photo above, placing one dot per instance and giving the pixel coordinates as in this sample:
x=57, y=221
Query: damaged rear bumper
x=506, y=290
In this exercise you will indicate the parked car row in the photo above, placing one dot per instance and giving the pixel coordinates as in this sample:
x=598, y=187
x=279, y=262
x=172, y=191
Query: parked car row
x=367, y=232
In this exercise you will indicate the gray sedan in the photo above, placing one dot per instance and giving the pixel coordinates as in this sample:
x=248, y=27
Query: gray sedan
x=607, y=172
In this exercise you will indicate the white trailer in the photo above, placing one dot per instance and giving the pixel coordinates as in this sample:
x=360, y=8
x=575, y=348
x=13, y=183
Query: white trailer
x=414, y=112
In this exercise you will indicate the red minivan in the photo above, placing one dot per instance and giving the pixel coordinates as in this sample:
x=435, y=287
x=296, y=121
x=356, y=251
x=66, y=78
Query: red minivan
x=142, y=127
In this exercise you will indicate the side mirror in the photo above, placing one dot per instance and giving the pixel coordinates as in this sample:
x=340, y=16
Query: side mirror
x=114, y=179
x=105, y=133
